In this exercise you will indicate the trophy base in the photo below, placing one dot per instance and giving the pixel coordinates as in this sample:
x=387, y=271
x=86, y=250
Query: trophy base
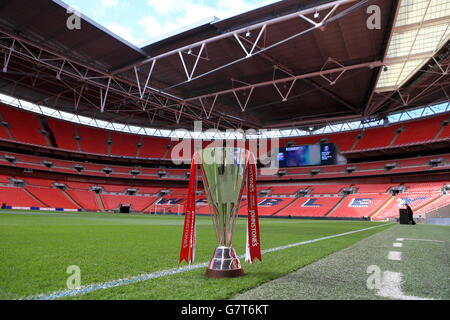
x=224, y=264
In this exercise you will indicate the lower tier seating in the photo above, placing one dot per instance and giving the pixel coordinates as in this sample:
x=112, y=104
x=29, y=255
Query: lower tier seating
x=17, y=197
x=310, y=207
x=359, y=206
x=414, y=200
x=51, y=197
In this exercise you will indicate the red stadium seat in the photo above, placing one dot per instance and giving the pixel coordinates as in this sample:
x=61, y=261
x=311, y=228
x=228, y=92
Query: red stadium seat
x=358, y=206
x=415, y=201
x=138, y=203
x=310, y=207
x=24, y=126
x=86, y=199
x=420, y=130
x=17, y=197
x=64, y=133
x=377, y=138
x=51, y=197
x=93, y=140
x=268, y=206
x=124, y=144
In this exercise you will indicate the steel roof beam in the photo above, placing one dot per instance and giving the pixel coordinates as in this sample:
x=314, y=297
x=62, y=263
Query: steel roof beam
x=371, y=64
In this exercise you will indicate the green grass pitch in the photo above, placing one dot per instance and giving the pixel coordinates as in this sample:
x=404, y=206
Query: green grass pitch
x=37, y=248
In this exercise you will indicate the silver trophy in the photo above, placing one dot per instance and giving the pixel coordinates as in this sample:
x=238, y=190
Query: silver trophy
x=224, y=172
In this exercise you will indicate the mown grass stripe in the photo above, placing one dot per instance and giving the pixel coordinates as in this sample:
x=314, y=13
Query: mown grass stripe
x=163, y=273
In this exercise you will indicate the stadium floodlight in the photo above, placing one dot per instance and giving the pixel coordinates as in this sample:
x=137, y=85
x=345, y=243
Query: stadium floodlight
x=316, y=14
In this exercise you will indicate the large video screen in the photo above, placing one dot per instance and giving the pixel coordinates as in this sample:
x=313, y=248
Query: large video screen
x=307, y=155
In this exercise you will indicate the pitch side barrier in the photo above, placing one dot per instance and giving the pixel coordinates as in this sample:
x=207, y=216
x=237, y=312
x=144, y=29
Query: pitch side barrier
x=41, y=209
x=283, y=217
x=314, y=218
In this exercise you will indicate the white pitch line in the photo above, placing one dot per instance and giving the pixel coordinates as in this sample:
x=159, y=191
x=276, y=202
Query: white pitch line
x=395, y=255
x=397, y=244
x=422, y=240
x=391, y=287
x=158, y=274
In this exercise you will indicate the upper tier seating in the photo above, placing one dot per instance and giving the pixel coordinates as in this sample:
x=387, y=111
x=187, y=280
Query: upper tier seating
x=24, y=126
x=377, y=138
x=445, y=134
x=123, y=144
x=3, y=131
x=64, y=133
x=421, y=130
x=93, y=140
x=154, y=147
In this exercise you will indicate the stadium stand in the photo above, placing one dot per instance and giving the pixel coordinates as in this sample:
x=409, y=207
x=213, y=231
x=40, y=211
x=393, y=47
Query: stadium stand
x=51, y=197
x=98, y=141
x=377, y=138
x=414, y=200
x=328, y=188
x=17, y=197
x=84, y=198
x=369, y=199
x=137, y=203
x=268, y=206
x=24, y=126
x=442, y=201
x=64, y=133
x=310, y=207
x=4, y=179
x=355, y=205
x=124, y=144
x=373, y=187
x=93, y=140
x=425, y=187
x=3, y=131
x=39, y=182
x=445, y=134
x=153, y=147
x=420, y=131
x=283, y=190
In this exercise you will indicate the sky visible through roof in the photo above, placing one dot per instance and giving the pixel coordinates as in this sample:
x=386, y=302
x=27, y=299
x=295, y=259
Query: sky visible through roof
x=141, y=21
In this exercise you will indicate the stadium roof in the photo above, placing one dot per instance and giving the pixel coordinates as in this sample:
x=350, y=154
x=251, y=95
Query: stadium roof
x=292, y=64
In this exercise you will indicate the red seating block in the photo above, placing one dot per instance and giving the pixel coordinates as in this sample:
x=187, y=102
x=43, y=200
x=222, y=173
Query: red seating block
x=24, y=126
x=357, y=206
x=310, y=207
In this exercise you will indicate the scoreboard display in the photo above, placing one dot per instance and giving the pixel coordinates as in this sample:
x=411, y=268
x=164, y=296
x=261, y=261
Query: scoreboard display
x=307, y=155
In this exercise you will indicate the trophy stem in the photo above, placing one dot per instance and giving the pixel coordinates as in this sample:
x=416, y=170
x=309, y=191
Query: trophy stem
x=224, y=264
